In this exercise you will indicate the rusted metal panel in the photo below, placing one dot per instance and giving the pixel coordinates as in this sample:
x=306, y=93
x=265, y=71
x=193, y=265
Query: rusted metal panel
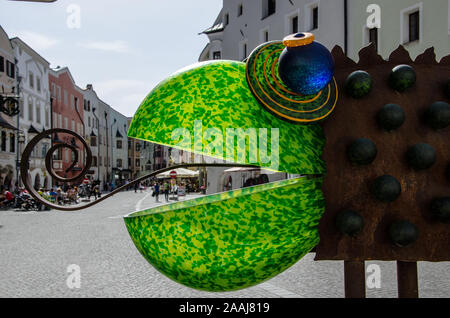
x=348, y=187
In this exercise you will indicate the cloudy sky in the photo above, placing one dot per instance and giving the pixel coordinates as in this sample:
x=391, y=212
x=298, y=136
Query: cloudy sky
x=123, y=47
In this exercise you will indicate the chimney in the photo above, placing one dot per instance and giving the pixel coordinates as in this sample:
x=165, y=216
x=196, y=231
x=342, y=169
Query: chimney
x=89, y=86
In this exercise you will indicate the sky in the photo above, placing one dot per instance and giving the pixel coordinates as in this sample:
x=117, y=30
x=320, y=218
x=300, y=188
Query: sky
x=124, y=48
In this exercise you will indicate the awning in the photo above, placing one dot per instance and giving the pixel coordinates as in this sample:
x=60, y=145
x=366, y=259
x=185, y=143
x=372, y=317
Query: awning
x=242, y=169
x=181, y=173
x=215, y=28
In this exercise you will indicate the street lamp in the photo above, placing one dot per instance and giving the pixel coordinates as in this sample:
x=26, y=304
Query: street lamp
x=20, y=142
x=112, y=155
x=98, y=144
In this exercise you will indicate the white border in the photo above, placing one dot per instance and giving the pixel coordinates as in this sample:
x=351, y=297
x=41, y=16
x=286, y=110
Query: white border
x=403, y=21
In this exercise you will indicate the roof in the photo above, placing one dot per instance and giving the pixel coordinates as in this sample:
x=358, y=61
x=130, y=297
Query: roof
x=33, y=130
x=19, y=41
x=5, y=124
x=219, y=27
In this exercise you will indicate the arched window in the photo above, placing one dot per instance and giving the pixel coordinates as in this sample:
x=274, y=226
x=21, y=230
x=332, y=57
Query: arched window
x=12, y=142
x=3, y=140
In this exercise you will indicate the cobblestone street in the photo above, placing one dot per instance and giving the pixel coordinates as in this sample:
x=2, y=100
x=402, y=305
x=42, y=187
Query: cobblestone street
x=37, y=248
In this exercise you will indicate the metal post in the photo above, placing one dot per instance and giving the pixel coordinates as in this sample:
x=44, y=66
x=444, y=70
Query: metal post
x=355, y=279
x=407, y=280
x=112, y=163
x=19, y=79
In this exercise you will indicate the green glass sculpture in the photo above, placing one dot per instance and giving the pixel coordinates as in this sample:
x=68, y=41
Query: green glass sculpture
x=231, y=240
x=235, y=239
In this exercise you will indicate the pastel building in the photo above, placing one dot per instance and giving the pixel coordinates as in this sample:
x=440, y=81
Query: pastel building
x=35, y=111
x=8, y=125
x=67, y=102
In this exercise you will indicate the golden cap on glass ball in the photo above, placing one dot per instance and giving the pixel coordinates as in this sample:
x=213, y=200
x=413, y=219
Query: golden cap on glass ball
x=298, y=39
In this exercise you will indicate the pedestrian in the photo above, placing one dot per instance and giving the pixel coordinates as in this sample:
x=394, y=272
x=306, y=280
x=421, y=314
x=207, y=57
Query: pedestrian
x=166, y=191
x=157, y=192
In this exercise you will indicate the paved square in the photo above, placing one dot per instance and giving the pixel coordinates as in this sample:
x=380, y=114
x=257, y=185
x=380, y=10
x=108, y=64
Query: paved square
x=36, y=249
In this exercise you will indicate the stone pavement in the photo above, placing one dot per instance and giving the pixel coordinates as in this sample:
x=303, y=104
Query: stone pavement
x=36, y=249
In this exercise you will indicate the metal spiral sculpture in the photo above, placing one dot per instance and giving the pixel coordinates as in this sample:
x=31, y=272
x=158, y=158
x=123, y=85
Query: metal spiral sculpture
x=26, y=178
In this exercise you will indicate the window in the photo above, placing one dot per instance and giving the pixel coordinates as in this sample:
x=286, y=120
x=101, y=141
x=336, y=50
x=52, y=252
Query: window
x=38, y=84
x=53, y=90
x=66, y=98
x=240, y=10
x=66, y=123
x=119, y=163
x=30, y=110
x=94, y=161
x=47, y=118
x=373, y=37
x=89, y=121
x=2, y=64
x=94, y=141
x=38, y=113
x=85, y=105
x=269, y=8
x=414, y=26
x=89, y=106
x=60, y=121
x=3, y=141
x=226, y=19
x=217, y=55
x=72, y=101
x=58, y=92
x=119, y=144
x=21, y=108
x=100, y=161
x=264, y=35
x=411, y=24
x=31, y=79
x=73, y=125
x=138, y=162
x=10, y=69
x=12, y=142
x=294, y=24
x=315, y=18
x=243, y=50
x=44, y=150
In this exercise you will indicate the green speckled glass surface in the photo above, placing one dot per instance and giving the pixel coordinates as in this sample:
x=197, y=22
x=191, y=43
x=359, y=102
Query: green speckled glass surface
x=213, y=97
x=231, y=240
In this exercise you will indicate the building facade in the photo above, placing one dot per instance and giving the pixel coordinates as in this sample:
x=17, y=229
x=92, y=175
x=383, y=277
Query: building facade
x=34, y=103
x=242, y=25
x=67, y=112
x=95, y=134
x=118, y=147
x=8, y=125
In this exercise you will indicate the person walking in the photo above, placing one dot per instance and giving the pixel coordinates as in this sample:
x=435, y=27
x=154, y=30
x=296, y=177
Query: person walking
x=166, y=191
x=157, y=192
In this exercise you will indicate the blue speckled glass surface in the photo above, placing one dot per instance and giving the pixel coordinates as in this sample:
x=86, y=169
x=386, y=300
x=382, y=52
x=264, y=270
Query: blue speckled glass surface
x=306, y=69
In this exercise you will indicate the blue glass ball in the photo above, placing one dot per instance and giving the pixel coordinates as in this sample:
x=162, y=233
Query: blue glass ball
x=306, y=69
